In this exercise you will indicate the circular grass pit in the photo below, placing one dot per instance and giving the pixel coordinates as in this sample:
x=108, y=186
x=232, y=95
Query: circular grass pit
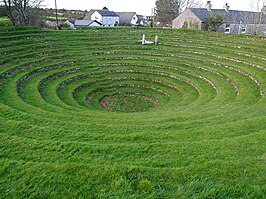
x=127, y=103
x=132, y=120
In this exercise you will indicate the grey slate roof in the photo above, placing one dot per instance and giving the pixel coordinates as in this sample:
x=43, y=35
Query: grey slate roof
x=83, y=22
x=141, y=18
x=126, y=17
x=105, y=13
x=232, y=16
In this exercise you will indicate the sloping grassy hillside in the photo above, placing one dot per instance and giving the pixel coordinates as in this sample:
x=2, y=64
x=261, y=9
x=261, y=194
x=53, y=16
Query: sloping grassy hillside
x=95, y=114
x=5, y=21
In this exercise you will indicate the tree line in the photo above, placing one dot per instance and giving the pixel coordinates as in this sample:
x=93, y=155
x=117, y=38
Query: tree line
x=22, y=12
x=28, y=12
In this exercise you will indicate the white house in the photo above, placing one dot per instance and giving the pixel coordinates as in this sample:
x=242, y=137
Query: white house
x=104, y=16
x=128, y=18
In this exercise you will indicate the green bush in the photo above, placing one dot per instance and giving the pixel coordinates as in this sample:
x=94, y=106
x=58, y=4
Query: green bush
x=214, y=22
x=185, y=25
x=64, y=25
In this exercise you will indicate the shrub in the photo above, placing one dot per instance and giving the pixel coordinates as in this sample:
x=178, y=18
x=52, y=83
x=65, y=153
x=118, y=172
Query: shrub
x=214, y=22
x=64, y=26
x=185, y=25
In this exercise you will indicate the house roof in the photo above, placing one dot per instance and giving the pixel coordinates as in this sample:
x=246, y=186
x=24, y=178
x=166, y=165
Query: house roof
x=104, y=13
x=107, y=13
x=232, y=16
x=88, y=15
x=126, y=17
x=83, y=22
x=141, y=19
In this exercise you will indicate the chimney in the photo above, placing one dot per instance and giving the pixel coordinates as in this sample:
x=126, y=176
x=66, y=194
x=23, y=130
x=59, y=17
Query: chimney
x=263, y=10
x=226, y=7
x=209, y=6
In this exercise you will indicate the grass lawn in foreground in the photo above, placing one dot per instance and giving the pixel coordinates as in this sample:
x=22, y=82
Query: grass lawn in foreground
x=95, y=114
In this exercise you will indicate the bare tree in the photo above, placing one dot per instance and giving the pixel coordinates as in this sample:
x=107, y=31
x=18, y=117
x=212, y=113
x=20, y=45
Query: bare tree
x=189, y=4
x=23, y=12
x=9, y=10
x=256, y=6
x=168, y=10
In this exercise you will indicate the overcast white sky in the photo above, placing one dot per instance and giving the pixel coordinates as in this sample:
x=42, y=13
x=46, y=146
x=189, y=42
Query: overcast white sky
x=142, y=6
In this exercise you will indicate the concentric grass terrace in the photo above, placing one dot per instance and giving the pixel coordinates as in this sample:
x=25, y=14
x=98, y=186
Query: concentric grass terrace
x=95, y=114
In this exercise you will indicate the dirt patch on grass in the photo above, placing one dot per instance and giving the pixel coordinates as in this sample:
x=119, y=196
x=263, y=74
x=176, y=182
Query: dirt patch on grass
x=127, y=102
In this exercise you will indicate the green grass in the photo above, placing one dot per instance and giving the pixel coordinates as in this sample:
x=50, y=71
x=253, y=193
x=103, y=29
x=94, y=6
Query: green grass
x=5, y=21
x=54, y=18
x=94, y=114
x=127, y=103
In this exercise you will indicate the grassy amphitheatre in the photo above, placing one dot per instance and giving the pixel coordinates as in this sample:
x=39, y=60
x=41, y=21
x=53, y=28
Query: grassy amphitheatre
x=95, y=114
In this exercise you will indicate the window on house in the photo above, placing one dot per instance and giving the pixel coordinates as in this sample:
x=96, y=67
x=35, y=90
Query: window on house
x=227, y=28
x=243, y=29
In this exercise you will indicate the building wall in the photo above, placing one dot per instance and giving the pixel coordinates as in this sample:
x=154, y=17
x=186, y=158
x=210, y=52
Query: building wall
x=262, y=29
x=134, y=20
x=187, y=20
x=246, y=29
x=256, y=28
x=96, y=16
x=105, y=20
x=110, y=21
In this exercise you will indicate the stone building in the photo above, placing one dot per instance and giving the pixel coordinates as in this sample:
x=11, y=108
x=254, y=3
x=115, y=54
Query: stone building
x=235, y=21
